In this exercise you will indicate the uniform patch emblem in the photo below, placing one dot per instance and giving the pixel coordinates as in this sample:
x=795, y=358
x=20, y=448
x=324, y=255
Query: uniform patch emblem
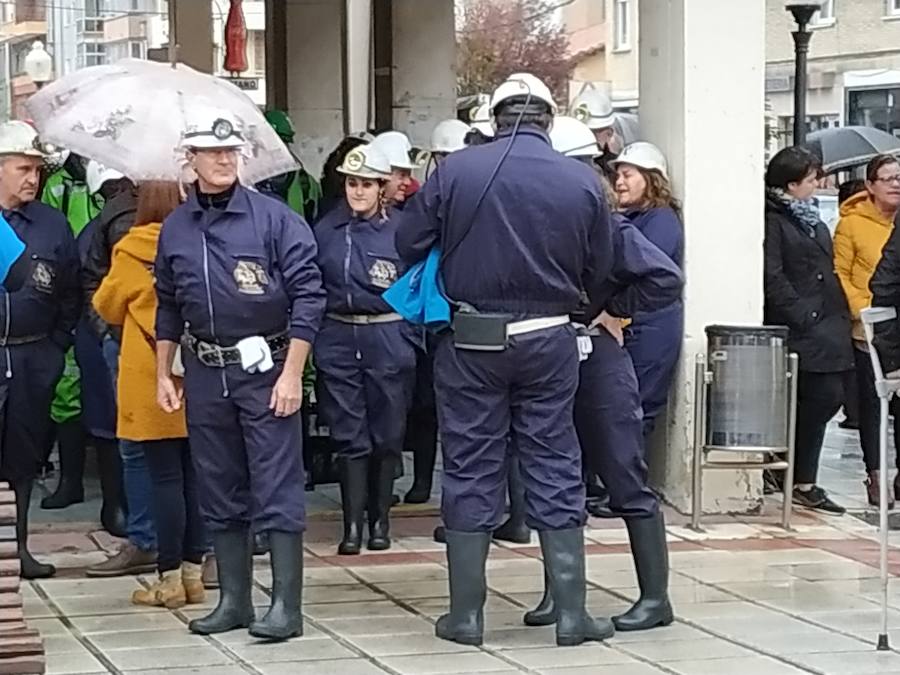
x=43, y=276
x=383, y=273
x=250, y=277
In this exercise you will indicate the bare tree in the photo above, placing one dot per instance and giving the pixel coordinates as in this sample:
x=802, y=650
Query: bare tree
x=500, y=37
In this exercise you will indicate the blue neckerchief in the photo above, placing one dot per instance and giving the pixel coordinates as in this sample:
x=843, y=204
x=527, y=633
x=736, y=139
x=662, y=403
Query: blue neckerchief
x=418, y=296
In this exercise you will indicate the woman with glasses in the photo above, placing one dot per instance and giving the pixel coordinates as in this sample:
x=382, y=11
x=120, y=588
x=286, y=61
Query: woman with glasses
x=867, y=219
x=803, y=293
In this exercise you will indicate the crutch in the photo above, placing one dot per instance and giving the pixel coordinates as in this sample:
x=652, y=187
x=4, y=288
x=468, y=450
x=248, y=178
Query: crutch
x=886, y=389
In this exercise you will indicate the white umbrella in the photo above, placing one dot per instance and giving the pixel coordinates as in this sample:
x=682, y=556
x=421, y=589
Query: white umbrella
x=130, y=116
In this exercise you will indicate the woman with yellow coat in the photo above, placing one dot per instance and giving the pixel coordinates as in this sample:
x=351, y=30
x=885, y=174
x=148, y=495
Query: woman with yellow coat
x=867, y=220
x=127, y=298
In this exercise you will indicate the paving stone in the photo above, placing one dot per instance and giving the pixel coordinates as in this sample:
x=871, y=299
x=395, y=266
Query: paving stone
x=441, y=664
x=170, y=657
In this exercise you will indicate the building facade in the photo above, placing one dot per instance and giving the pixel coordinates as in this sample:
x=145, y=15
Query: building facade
x=854, y=66
x=603, y=48
x=21, y=23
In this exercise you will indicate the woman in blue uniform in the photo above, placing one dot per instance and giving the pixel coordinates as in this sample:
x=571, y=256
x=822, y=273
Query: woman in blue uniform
x=365, y=354
x=654, y=338
x=608, y=415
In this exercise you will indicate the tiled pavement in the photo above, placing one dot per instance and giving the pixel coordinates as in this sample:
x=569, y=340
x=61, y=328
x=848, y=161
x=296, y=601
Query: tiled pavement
x=750, y=599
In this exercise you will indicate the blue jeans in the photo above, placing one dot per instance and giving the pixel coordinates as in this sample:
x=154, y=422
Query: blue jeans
x=135, y=476
x=180, y=531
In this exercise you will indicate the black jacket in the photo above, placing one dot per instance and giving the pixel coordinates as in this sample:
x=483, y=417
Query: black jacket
x=113, y=223
x=885, y=287
x=803, y=292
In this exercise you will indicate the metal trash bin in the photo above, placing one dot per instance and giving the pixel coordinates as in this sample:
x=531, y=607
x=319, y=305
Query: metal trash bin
x=745, y=401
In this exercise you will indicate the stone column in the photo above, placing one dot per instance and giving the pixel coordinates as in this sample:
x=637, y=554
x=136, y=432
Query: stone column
x=702, y=102
x=193, y=34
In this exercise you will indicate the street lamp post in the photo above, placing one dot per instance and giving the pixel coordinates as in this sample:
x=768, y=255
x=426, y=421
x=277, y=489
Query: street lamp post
x=39, y=64
x=803, y=11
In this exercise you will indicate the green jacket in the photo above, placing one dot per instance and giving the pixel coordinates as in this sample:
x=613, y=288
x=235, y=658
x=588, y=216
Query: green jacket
x=72, y=198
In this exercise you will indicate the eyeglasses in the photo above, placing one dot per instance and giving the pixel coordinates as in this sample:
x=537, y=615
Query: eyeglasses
x=889, y=179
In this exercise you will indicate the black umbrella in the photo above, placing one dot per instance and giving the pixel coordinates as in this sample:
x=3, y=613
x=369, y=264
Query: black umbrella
x=847, y=147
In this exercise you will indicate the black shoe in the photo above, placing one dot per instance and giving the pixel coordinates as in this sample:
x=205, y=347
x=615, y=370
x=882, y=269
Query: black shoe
x=381, y=495
x=545, y=613
x=419, y=493
x=354, y=491
x=651, y=562
x=466, y=557
x=816, y=498
x=30, y=568
x=113, y=512
x=235, y=564
x=514, y=532
x=283, y=620
x=599, y=507
x=440, y=534
x=563, y=553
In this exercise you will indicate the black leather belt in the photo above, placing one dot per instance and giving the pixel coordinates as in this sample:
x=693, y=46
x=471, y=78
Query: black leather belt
x=216, y=356
x=14, y=341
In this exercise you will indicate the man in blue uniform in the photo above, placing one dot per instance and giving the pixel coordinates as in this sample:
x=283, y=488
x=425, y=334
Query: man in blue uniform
x=38, y=322
x=523, y=231
x=238, y=286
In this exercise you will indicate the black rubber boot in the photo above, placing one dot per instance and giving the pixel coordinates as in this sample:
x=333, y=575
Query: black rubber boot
x=563, y=552
x=545, y=613
x=422, y=440
x=440, y=534
x=71, y=439
x=354, y=491
x=381, y=493
x=466, y=556
x=235, y=563
x=514, y=530
x=283, y=620
x=31, y=568
x=651, y=562
x=113, y=512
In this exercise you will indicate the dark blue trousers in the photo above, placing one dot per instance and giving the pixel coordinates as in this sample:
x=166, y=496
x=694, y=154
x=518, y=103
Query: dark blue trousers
x=609, y=421
x=521, y=401
x=654, y=343
x=28, y=377
x=365, y=378
x=180, y=532
x=249, y=462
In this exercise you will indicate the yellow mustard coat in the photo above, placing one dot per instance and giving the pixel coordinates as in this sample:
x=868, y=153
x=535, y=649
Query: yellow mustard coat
x=861, y=234
x=127, y=298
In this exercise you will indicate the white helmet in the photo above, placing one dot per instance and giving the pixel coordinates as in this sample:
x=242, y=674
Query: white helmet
x=523, y=84
x=594, y=108
x=396, y=145
x=96, y=175
x=645, y=156
x=20, y=138
x=480, y=119
x=573, y=138
x=209, y=129
x=366, y=161
x=449, y=136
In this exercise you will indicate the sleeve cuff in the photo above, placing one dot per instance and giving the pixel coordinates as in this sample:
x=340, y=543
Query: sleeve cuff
x=304, y=333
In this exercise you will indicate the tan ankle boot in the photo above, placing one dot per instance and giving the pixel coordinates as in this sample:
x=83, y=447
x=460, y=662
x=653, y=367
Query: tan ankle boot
x=167, y=592
x=192, y=580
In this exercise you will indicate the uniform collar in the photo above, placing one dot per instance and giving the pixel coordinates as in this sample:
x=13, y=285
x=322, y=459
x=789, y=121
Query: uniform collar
x=343, y=216
x=238, y=204
x=26, y=212
x=524, y=130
